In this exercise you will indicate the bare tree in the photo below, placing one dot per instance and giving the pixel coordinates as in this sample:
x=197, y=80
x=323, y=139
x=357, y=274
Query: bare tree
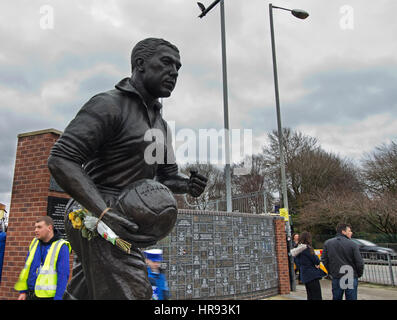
x=364, y=213
x=327, y=208
x=380, y=169
x=313, y=171
x=372, y=211
x=381, y=213
x=256, y=181
x=309, y=169
x=379, y=175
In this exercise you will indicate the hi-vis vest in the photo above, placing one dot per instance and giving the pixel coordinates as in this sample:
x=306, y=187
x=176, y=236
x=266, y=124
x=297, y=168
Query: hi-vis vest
x=46, y=282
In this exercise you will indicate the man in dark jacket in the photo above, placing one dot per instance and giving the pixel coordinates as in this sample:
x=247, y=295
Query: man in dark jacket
x=344, y=263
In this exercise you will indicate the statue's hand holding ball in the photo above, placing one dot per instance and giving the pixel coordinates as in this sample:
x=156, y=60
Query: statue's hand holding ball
x=152, y=207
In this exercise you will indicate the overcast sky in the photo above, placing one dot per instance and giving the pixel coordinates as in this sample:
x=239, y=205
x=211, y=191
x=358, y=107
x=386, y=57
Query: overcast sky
x=337, y=69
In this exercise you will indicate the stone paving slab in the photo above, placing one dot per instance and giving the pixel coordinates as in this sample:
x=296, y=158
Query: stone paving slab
x=366, y=291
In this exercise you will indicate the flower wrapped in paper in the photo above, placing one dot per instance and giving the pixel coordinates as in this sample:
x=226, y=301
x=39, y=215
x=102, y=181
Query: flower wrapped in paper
x=90, y=226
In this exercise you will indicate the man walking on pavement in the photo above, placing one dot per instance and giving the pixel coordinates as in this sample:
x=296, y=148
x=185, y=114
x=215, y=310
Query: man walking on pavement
x=342, y=258
x=46, y=271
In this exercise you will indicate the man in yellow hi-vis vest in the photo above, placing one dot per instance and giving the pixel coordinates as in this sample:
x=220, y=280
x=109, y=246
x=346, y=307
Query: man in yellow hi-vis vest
x=46, y=271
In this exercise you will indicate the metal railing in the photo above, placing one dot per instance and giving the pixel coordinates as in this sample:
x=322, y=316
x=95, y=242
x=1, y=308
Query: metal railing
x=379, y=268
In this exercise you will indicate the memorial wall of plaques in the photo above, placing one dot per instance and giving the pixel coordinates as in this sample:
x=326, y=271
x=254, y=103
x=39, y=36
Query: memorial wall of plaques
x=217, y=254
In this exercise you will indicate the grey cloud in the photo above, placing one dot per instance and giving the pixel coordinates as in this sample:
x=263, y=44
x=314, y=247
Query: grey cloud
x=327, y=76
x=345, y=96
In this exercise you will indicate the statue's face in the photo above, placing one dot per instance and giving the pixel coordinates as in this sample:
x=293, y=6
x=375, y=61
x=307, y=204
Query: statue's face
x=161, y=72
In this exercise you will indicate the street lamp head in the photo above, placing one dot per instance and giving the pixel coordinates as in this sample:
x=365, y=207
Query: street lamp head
x=301, y=14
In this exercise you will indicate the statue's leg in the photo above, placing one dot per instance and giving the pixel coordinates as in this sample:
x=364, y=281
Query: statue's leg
x=118, y=275
x=76, y=288
x=103, y=271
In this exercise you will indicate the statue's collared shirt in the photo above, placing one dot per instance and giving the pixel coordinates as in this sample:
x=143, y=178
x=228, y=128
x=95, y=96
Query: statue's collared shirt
x=107, y=137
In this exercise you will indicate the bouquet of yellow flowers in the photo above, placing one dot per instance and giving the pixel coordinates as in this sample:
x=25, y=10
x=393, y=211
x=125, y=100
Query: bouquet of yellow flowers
x=90, y=226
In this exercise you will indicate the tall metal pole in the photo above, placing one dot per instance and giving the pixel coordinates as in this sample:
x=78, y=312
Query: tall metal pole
x=226, y=112
x=228, y=178
x=280, y=142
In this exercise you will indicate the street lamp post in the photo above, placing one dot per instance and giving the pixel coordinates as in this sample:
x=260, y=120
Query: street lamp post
x=301, y=15
x=228, y=178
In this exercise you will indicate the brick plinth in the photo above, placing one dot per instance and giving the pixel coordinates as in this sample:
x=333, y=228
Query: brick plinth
x=30, y=192
x=282, y=256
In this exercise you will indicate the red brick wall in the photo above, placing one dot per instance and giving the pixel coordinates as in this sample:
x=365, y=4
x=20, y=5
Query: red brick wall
x=28, y=201
x=282, y=256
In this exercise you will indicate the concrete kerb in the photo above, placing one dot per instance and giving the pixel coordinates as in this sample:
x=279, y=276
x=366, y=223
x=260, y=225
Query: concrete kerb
x=366, y=291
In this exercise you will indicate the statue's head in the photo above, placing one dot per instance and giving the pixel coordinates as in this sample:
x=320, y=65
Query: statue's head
x=148, y=47
x=155, y=62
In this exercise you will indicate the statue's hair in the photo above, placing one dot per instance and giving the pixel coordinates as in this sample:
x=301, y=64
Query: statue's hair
x=148, y=47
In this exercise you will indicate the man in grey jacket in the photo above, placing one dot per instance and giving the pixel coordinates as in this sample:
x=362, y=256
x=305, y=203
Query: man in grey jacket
x=344, y=263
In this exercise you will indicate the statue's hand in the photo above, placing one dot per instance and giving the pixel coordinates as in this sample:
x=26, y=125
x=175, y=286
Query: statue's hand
x=117, y=222
x=127, y=229
x=196, y=184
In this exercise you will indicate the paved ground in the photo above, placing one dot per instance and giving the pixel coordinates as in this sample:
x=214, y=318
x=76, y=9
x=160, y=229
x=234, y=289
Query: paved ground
x=366, y=291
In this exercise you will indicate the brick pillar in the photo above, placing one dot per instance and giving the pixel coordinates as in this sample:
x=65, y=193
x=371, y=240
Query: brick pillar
x=282, y=256
x=30, y=192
